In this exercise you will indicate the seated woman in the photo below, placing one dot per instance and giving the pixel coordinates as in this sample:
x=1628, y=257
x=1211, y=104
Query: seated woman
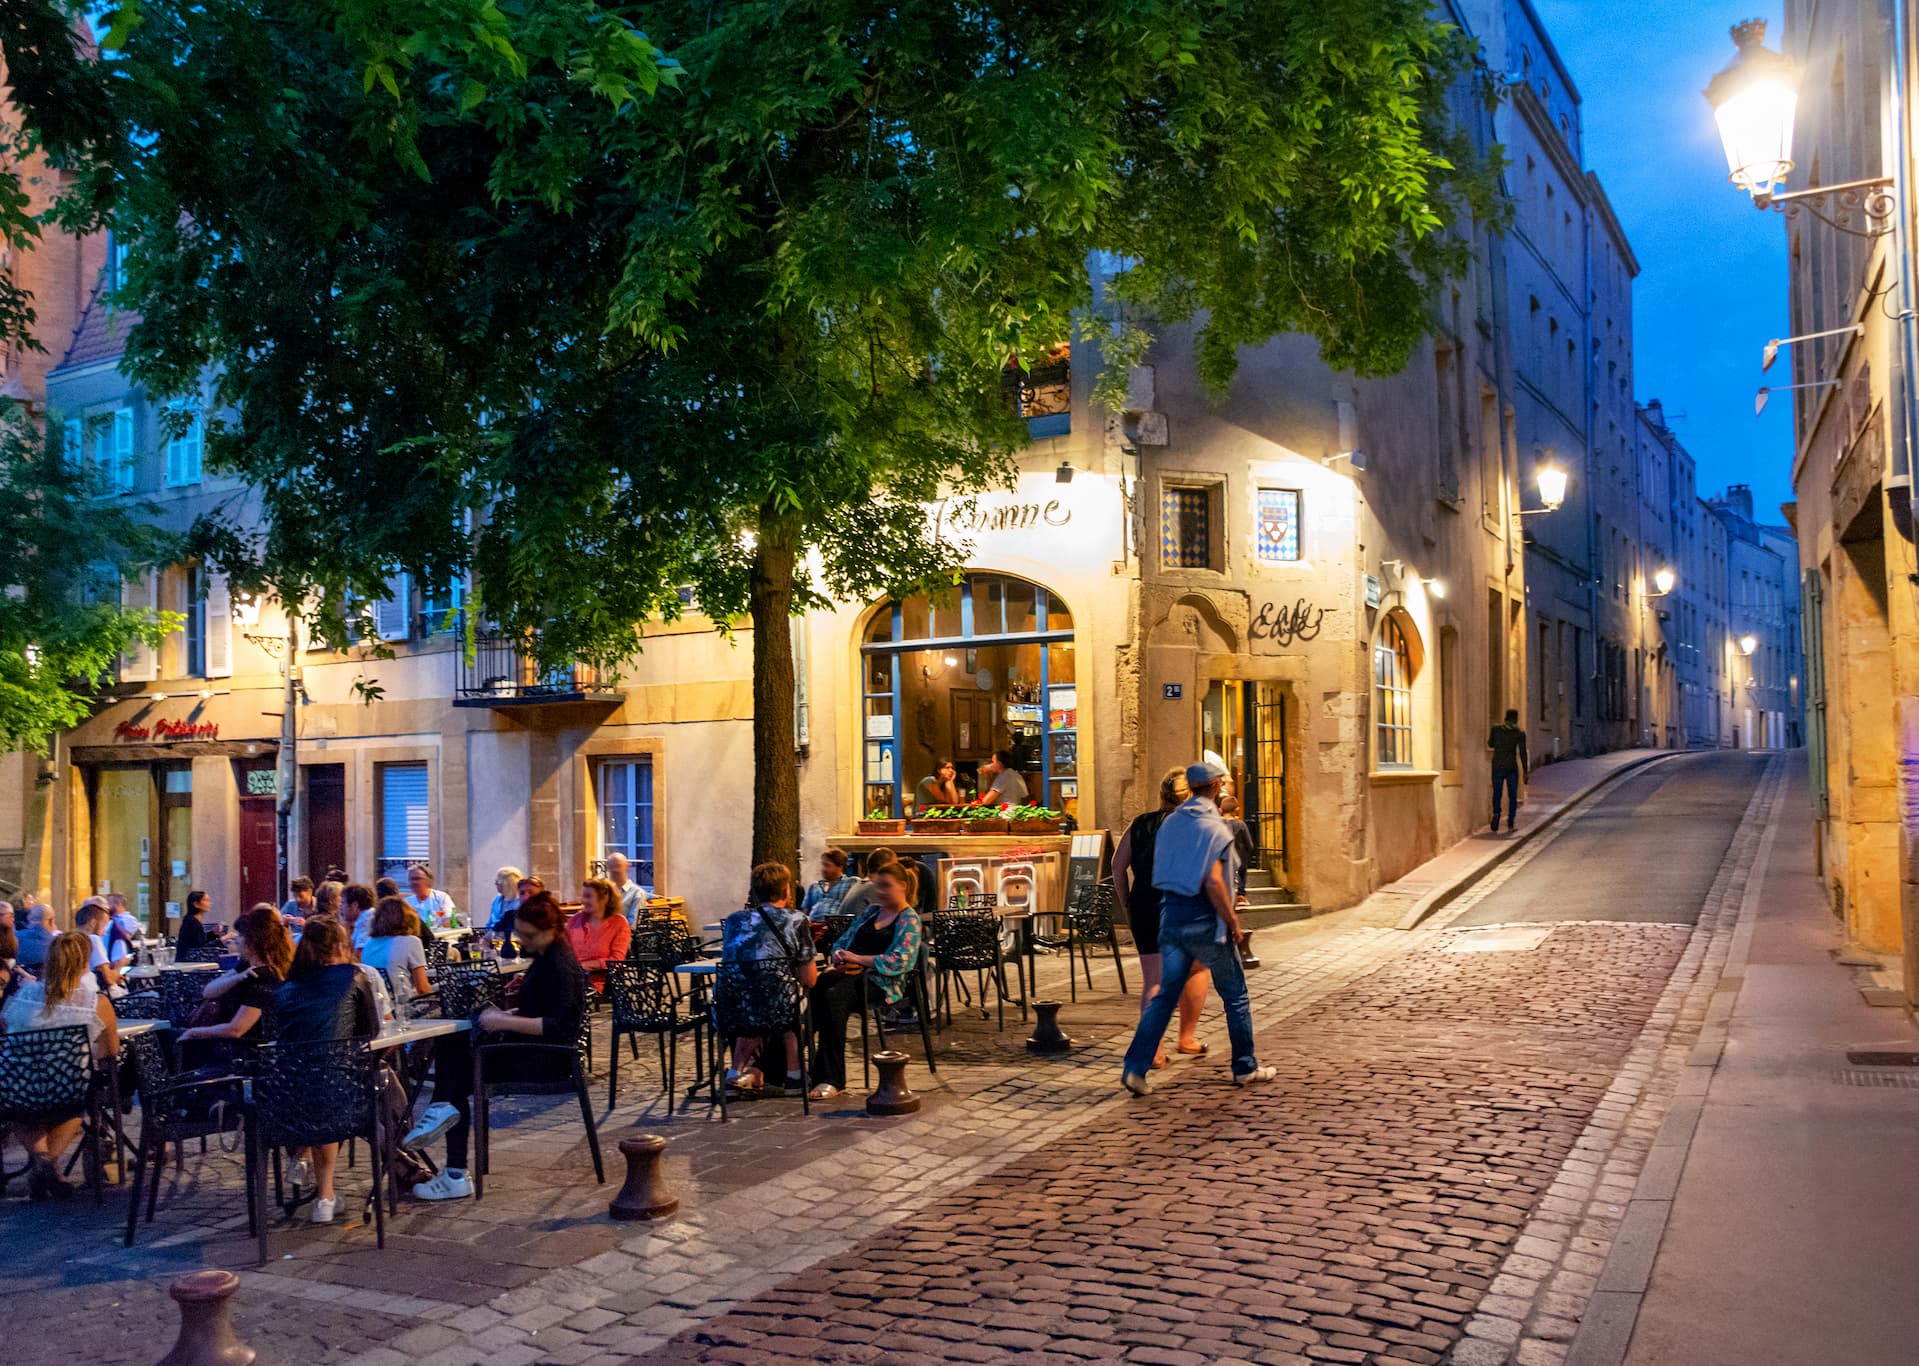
x=237, y=1000
x=325, y=997
x=940, y=787
x=65, y=995
x=506, y=899
x=551, y=1003
x=768, y=928
x=394, y=948
x=599, y=934
x=874, y=956
x=194, y=932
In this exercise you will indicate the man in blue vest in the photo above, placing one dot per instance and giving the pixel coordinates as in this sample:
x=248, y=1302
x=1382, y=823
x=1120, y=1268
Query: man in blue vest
x=1193, y=869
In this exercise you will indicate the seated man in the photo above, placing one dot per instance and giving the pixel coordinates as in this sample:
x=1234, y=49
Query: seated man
x=769, y=929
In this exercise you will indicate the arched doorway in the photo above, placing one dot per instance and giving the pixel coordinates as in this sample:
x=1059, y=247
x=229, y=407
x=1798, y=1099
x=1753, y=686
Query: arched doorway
x=986, y=666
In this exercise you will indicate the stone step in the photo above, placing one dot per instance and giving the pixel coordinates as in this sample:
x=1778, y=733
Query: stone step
x=1259, y=917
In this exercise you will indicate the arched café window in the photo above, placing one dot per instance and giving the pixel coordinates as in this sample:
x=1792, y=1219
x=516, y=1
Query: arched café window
x=987, y=665
x=1392, y=696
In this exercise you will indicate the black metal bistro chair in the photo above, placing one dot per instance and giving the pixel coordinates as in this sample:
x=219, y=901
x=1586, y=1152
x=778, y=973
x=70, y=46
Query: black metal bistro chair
x=1088, y=920
x=467, y=988
x=141, y=1005
x=307, y=1093
x=47, y=1077
x=175, y=1107
x=760, y=998
x=182, y=993
x=962, y=942
x=205, y=953
x=641, y=1000
x=874, y=1017
x=556, y=1070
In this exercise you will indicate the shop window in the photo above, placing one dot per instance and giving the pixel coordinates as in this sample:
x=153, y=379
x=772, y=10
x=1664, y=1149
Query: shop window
x=406, y=828
x=625, y=798
x=1278, y=532
x=1186, y=527
x=988, y=667
x=1392, y=696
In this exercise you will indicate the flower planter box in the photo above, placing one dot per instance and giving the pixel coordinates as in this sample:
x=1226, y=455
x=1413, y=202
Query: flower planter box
x=938, y=825
x=985, y=827
x=882, y=827
x=1033, y=827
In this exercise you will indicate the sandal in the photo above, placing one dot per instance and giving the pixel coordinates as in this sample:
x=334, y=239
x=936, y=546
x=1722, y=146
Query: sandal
x=748, y=1080
x=824, y=1091
x=1160, y=1059
x=1199, y=1052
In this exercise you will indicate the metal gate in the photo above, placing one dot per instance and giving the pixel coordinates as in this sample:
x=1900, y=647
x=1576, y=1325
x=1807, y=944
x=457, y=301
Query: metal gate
x=1269, y=777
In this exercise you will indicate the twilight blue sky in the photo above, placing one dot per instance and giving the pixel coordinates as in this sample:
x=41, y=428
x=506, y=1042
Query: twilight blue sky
x=1712, y=280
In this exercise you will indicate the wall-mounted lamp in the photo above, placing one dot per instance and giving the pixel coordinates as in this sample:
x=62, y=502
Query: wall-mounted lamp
x=1759, y=399
x=1434, y=587
x=1663, y=581
x=246, y=611
x=1551, y=479
x=1770, y=352
x=1064, y=474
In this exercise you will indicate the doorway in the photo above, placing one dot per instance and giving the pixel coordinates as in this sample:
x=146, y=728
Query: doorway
x=325, y=817
x=1243, y=727
x=259, y=853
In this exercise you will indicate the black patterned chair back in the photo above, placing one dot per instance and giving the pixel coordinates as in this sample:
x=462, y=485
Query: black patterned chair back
x=1091, y=913
x=206, y=953
x=181, y=994
x=45, y=1074
x=651, y=943
x=314, y=1092
x=436, y=956
x=964, y=941
x=640, y=995
x=755, y=996
x=468, y=987
x=975, y=901
x=837, y=924
x=141, y=1005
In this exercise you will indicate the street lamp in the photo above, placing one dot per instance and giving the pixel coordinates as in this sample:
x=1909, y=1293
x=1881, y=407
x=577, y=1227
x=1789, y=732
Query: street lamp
x=1551, y=479
x=1748, y=643
x=1663, y=581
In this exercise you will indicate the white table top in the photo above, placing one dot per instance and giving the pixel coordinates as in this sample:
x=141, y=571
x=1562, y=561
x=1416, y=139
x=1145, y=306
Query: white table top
x=697, y=969
x=146, y=971
x=398, y=1035
x=510, y=966
x=130, y=1028
x=463, y=932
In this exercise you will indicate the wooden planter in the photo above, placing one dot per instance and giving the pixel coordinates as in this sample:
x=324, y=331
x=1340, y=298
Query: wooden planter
x=1033, y=827
x=882, y=827
x=985, y=827
x=938, y=825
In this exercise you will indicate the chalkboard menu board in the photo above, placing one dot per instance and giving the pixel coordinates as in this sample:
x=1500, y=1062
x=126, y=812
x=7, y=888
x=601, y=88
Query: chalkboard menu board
x=1091, y=851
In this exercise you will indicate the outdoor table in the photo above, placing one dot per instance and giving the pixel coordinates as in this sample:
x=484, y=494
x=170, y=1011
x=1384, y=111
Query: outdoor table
x=148, y=971
x=510, y=967
x=700, y=969
x=414, y=1031
x=463, y=932
x=1025, y=959
x=133, y=1028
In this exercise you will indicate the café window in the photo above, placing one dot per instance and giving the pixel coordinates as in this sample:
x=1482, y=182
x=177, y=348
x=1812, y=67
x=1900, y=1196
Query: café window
x=624, y=793
x=405, y=818
x=987, y=666
x=1187, y=526
x=1392, y=697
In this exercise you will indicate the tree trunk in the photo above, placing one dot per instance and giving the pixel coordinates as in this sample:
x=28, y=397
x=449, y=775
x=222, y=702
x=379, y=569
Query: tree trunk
x=776, y=782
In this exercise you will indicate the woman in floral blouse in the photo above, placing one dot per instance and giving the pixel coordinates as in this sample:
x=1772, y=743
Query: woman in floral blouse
x=875, y=954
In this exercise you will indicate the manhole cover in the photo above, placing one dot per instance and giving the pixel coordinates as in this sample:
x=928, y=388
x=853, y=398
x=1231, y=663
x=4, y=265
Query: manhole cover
x=1518, y=940
x=1897, y=1079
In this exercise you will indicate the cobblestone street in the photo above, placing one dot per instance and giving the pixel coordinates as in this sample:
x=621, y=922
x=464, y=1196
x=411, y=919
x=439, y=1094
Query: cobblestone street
x=1429, y=1177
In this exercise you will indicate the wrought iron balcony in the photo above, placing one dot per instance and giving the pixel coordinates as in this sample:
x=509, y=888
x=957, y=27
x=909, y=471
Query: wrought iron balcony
x=503, y=672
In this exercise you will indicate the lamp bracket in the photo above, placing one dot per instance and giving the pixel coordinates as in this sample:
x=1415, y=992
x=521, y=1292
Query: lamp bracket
x=1838, y=205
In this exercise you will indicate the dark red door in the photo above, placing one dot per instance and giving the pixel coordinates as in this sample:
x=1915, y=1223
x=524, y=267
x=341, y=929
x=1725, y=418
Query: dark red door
x=326, y=818
x=258, y=857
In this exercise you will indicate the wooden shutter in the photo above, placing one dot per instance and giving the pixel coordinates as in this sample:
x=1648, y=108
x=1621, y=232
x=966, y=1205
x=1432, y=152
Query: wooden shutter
x=390, y=613
x=141, y=662
x=1813, y=632
x=219, y=627
x=122, y=466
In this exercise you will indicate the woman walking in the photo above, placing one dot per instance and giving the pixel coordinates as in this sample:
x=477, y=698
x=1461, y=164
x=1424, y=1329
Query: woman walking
x=1139, y=899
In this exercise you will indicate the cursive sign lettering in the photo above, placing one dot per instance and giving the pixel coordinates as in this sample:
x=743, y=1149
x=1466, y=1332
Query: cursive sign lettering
x=958, y=519
x=1284, y=625
x=168, y=730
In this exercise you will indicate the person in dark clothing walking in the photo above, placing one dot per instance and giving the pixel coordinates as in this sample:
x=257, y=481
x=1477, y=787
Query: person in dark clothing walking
x=1507, y=742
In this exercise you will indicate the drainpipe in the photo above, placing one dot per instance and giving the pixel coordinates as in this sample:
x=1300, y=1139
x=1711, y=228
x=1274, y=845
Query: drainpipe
x=802, y=711
x=1592, y=463
x=1904, y=247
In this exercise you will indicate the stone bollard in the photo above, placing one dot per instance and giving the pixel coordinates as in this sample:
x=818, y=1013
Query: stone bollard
x=206, y=1332
x=1247, y=958
x=645, y=1195
x=1047, y=1037
x=893, y=1096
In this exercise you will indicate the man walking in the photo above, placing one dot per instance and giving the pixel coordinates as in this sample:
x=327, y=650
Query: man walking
x=1510, y=764
x=1198, y=927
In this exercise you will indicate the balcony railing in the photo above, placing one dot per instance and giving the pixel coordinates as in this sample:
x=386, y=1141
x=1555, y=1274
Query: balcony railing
x=504, y=673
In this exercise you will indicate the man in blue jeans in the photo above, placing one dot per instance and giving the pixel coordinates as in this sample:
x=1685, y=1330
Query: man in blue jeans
x=1198, y=927
x=1507, y=744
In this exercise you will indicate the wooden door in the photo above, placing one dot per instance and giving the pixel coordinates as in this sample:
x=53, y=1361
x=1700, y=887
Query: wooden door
x=258, y=857
x=326, y=818
x=972, y=718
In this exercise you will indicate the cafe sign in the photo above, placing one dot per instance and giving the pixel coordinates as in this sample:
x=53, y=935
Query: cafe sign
x=165, y=730
x=972, y=517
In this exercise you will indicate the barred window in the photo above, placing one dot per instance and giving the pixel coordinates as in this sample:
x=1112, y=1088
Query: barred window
x=1392, y=697
x=1186, y=528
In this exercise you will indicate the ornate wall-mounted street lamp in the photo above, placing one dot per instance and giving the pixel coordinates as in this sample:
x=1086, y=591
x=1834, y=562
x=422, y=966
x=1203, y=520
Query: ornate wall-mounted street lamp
x=1755, y=101
x=1663, y=582
x=1551, y=479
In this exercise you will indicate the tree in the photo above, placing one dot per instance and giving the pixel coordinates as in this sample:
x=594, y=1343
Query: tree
x=68, y=548
x=727, y=319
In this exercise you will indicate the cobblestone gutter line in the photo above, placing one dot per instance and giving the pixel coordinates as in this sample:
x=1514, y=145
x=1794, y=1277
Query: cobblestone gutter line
x=1598, y=1227
x=671, y=1276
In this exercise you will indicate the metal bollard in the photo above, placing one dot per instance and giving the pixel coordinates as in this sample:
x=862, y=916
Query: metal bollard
x=1047, y=1036
x=1247, y=958
x=206, y=1331
x=893, y=1096
x=645, y=1194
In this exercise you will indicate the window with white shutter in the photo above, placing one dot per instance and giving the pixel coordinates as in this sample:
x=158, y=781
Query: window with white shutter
x=390, y=613
x=439, y=608
x=119, y=456
x=184, y=450
x=405, y=818
x=71, y=449
x=141, y=662
x=219, y=627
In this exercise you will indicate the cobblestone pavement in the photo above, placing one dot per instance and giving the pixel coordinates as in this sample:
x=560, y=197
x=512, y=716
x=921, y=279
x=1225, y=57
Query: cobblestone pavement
x=1424, y=1177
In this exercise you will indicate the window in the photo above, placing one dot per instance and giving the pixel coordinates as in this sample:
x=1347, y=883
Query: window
x=116, y=262
x=113, y=451
x=626, y=814
x=1043, y=394
x=405, y=818
x=196, y=614
x=1278, y=531
x=1392, y=697
x=72, y=443
x=184, y=448
x=1186, y=528
x=439, y=608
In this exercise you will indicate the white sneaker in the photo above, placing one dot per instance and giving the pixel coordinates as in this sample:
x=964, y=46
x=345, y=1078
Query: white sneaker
x=299, y=1172
x=1258, y=1074
x=323, y=1210
x=450, y=1184
x=436, y=1120
x=1136, y=1082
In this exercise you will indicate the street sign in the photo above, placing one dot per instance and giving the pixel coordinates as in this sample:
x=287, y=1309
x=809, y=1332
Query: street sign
x=263, y=782
x=1172, y=692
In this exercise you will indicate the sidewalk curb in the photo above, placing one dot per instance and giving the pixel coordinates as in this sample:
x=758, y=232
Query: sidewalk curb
x=1438, y=898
